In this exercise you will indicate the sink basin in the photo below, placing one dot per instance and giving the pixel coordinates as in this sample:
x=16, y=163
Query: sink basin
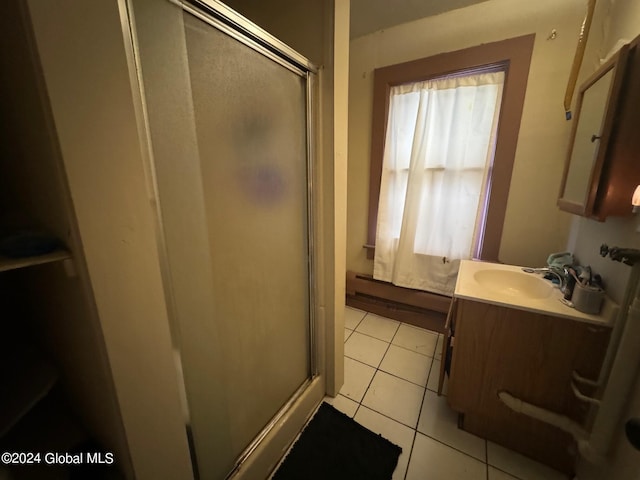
x=514, y=283
x=508, y=286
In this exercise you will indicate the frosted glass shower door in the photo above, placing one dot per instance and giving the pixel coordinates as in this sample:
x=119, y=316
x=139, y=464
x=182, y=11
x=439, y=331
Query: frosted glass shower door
x=250, y=122
x=228, y=128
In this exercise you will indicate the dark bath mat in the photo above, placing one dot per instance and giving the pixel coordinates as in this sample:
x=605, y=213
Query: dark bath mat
x=336, y=447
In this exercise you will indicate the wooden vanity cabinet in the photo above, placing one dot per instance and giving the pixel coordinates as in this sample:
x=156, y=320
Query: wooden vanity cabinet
x=531, y=356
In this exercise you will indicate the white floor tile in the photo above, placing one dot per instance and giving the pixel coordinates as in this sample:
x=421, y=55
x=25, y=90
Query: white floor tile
x=416, y=339
x=366, y=349
x=438, y=421
x=519, y=465
x=434, y=461
x=357, y=377
x=406, y=364
x=378, y=327
x=495, y=474
x=395, y=398
x=434, y=375
x=393, y=431
x=342, y=403
x=347, y=332
x=394, y=402
x=352, y=317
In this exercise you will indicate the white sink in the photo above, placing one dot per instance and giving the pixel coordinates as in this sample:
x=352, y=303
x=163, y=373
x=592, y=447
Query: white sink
x=514, y=283
x=508, y=286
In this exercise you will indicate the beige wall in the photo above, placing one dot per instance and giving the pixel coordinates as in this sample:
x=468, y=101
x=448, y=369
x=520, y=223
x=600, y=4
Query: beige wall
x=534, y=227
x=298, y=24
x=614, y=21
x=624, y=22
x=339, y=154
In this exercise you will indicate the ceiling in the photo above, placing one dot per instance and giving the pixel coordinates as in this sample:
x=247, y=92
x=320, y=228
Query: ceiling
x=368, y=16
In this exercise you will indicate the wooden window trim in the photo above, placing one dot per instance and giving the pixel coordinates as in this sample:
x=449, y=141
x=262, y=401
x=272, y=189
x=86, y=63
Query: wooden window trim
x=515, y=55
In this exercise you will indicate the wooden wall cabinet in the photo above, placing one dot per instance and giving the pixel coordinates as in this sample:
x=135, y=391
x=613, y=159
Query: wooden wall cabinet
x=602, y=167
x=532, y=357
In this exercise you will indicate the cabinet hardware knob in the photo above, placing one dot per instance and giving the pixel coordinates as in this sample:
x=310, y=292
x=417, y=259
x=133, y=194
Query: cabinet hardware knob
x=595, y=137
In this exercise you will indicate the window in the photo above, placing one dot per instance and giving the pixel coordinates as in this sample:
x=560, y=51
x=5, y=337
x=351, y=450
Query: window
x=395, y=89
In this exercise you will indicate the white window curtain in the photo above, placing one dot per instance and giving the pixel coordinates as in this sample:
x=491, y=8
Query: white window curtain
x=437, y=158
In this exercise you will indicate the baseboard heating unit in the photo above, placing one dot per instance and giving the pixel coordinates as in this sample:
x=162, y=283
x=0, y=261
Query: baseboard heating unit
x=416, y=307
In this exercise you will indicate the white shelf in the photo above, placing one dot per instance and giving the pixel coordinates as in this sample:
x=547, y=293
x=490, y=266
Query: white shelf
x=7, y=263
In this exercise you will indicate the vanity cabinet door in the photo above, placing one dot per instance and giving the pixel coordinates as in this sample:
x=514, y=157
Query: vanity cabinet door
x=532, y=357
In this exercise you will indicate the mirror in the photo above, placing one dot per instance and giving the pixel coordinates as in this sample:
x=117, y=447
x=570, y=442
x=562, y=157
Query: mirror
x=587, y=139
x=587, y=153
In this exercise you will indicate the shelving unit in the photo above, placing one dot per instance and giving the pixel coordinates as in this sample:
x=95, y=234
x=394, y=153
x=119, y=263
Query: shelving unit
x=7, y=263
x=27, y=375
x=35, y=411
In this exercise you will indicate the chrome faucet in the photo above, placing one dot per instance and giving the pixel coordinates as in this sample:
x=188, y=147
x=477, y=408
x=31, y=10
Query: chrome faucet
x=562, y=279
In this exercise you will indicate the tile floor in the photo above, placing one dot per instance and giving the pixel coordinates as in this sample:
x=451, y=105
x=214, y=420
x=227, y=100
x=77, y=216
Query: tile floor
x=391, y=379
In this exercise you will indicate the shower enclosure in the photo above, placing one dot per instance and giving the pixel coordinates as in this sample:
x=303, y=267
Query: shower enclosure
x=229, y=117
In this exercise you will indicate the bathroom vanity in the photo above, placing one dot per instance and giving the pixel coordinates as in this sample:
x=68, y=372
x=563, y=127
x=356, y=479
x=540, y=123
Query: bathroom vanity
x=511, y=333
